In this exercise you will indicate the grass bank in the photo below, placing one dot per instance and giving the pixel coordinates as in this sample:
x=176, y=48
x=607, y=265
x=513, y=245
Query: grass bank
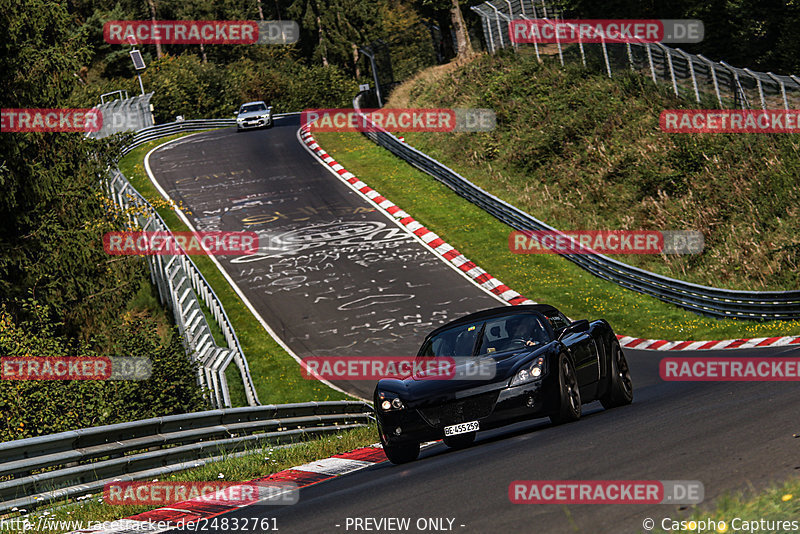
x=582, y=151
x=779, y=506
x=262, y=462
x=541, y=277
x=277, y=377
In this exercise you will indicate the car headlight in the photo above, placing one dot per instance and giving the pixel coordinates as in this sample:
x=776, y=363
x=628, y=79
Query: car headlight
x=529, y=373
x=388, y=404
x=265, y=116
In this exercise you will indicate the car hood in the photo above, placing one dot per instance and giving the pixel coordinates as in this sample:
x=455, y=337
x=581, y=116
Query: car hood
x=252, y=114
x=413, y=389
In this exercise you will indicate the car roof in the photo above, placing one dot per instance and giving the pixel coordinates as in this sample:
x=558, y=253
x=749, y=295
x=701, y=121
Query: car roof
x=254, y=102
x=544, y=309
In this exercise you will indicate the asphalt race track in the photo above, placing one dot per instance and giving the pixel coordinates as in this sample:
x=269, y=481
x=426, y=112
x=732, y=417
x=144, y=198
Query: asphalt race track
x=369, y=290
x=353, y=282
x=727, y=435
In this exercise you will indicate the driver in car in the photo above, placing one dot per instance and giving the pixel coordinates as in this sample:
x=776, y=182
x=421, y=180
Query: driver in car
x=521, y=333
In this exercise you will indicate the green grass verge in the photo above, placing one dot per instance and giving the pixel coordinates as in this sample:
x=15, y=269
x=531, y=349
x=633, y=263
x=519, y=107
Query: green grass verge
x=277, y=377
x=146, y=301
x=541, y=277
x=262, y=462
x=582, y=151
x=741, y=513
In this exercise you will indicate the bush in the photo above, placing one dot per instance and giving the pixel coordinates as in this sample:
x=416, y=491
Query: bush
x=33, y=408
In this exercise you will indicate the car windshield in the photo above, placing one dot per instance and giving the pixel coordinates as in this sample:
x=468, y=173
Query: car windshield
x=253, y=107
x=497, y=334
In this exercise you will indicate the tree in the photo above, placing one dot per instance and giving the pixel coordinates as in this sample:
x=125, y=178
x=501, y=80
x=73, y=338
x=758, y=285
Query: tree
x=337, y=28
x=60, y=293
x=152, y=5
x=52, y=214
x=463, y=44
x=457, y=24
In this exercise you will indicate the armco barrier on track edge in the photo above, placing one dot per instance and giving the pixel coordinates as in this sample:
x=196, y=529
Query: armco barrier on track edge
x=485, y=280
x=303, y=475
x=704, y=300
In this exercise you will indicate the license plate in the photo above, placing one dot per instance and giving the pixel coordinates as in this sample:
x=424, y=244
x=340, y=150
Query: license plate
x=461, y=428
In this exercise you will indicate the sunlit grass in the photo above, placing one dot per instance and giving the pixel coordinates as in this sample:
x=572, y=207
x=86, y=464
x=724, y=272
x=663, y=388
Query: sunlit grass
x=263, y=461
x=276, y=375
x=541, y=277
x=740, y=513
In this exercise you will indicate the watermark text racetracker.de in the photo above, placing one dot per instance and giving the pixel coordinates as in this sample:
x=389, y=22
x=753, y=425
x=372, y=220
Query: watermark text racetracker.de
x=172, y=243
x=206, y=32
x=606, y=242
x=399, y=120
x=50, y=120
x=546, y=31
x=50, y=524
x=75, y=368
x=378, y=367
x=56, y=120
x=225, y=524
x=742, y=369
x=606, y=492
x=166, y=493
x=730, y=121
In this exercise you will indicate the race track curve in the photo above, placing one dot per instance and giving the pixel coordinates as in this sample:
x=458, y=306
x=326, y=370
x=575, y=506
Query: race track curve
x=357, y=284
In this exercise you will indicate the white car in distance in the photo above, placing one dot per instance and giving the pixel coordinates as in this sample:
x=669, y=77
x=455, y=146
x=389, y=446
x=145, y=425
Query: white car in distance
x=253, y=115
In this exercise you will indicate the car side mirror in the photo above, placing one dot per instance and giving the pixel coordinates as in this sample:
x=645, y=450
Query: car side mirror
x=574, y=328
x=236, y=112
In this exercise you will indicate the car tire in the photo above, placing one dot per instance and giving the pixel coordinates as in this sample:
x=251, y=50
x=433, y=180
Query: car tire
x=460, y=441
x=401, y=453
x=570, y=395
x=620, y=388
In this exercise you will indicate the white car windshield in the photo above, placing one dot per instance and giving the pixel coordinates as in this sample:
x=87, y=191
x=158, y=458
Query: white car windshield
x=253, y=107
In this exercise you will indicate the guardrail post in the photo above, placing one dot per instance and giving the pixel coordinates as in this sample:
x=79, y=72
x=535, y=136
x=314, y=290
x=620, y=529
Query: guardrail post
x=650, y=61
x=760, y=89
x=487, y=29
x=630, y=56
x=738, y=90
x=510, y=18
x=712, y=68
x=668, y=57
x=783, y=89
x=497, y=23
x=688, y=59
x=605, y=54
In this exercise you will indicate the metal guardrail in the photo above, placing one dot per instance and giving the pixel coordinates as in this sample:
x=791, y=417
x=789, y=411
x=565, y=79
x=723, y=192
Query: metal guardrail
x=690, y=76
x=124, y=115
x=179, y=284
x=37, y=471
x=179, y=281
x=164, y=130
x=712, y=301
x=193, y=125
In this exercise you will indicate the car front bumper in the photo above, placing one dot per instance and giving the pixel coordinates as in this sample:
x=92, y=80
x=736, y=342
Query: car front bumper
x=254, y=123
x=492, y=408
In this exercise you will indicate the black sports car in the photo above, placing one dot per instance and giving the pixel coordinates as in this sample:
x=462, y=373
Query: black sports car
x=544, y=365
